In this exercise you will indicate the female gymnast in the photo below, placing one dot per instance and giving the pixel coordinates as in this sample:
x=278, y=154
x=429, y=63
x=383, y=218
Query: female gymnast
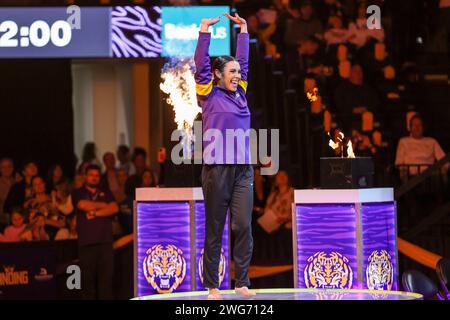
x=227, y=173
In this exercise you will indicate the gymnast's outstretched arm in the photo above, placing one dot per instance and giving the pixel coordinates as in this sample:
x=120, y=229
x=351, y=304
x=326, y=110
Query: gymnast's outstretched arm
x=242, y=48
x=203, y=77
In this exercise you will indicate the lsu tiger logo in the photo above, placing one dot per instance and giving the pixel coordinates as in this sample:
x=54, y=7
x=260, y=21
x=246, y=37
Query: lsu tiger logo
x=222, y=266
x=164, y=268
x=328, y=271
x=379, y=272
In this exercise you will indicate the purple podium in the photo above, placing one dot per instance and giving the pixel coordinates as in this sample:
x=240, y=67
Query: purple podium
x=345, y=239
x=169, y=229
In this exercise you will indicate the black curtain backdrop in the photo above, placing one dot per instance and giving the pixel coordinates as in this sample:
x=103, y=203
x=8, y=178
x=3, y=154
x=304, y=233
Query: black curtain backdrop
x=36, y=118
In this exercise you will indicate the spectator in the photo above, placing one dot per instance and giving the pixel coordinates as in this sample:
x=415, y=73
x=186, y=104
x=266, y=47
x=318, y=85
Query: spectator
x=148, y=180
x=109, y=178
x=362, y=145
x=302, y=26
x=89, y=156
x=22, y=190
x=7, y=179
x=14, y=232
x=124, y=156
x=359, y=34
x=353, y=97
x=41, y=203
x=78, y=181
x=336, y=33
x=122, y=178
x=140, y=163
x=280, y=200
x=94, y=208
x=69, y=233
x=38, y=227
x=55, y=175
x=417, y=149
x=61, y=198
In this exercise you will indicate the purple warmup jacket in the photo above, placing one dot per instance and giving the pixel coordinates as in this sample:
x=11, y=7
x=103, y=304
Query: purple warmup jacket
x=223, y=109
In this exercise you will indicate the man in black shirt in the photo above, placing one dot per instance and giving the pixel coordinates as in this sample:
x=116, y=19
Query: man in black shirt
x=94, y=208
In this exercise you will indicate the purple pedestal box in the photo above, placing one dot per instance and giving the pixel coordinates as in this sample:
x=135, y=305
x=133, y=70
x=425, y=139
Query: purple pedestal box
x=345, y=239
x=169, y=236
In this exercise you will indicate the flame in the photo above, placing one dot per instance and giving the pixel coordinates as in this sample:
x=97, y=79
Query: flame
x=333, y=144
x=179, y=84
x=338, y=144
x=350, y=153
x=313, y=96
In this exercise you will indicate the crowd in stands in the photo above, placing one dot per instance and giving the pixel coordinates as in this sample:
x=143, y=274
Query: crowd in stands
x=40, y=207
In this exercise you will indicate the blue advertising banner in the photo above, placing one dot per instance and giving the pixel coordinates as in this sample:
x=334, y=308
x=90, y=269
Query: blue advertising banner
x=27, y=272
x=55, y=32
x=182, y=24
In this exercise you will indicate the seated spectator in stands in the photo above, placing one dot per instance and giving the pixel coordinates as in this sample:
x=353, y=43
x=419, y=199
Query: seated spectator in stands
x=70, y=232
x=359, y=34
x=273, y=231
x=302, y=27
x=148, y=179
x=362, y=145
x=61, y=199
x=109, y=177
x=336, y=33
x=122, y=178
x=78, y=181
x=37, y=223
x=41, y=203
x=418, y=149
x=89, y=157
x=55, y=175
x=140, y=163
x=280, y=200
x=353, y=97
x=7, y=179
x=22, y=190
x=124, y=157
x=14, y=232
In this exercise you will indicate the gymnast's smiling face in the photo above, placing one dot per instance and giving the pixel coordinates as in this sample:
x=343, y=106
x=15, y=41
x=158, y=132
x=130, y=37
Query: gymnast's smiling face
x=229, y=77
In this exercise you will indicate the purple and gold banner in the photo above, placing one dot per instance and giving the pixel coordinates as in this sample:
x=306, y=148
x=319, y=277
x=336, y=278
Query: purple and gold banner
x=379, y=238
x=346, y=246
x=163, y=247
x=326, y=246
x=169, y=248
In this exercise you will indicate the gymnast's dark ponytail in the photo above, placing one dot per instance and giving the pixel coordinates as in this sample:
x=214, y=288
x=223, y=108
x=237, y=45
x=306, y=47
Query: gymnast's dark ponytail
x=219, y=64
